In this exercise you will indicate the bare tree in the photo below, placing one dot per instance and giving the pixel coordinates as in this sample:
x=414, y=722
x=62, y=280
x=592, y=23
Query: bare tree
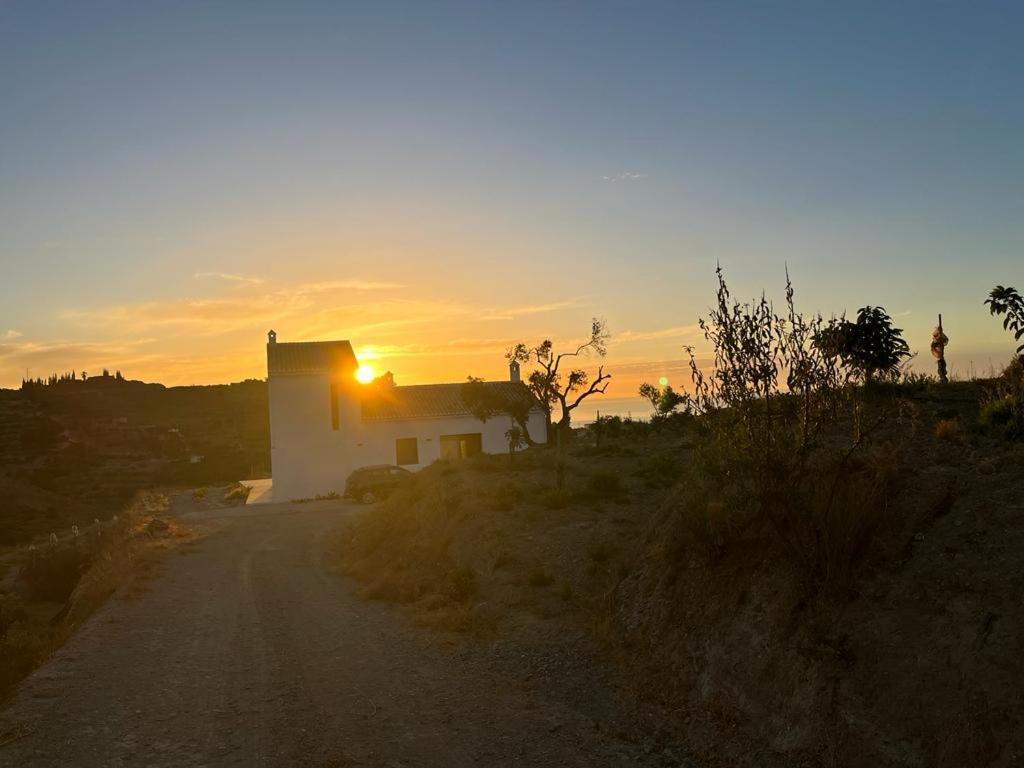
x=550, y=383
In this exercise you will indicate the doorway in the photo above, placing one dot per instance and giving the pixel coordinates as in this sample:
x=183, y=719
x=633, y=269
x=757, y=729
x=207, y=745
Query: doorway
x=461, y=446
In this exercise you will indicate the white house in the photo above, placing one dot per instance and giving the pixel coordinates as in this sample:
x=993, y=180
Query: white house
x=324, y=423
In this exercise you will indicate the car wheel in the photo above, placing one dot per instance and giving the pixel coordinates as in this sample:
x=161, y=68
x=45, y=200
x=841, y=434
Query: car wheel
x=368, y=497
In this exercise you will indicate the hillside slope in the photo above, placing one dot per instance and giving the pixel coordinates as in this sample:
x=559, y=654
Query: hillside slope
x=917, y=661
x=78, y=450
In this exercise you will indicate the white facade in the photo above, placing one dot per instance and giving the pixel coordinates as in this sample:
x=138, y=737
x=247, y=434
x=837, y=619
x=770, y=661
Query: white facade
x=319, y=433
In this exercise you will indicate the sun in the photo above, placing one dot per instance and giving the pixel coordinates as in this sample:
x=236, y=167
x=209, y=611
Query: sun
x=365, y=374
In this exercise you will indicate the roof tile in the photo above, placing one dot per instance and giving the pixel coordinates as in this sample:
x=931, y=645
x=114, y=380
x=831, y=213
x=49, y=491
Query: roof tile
x=309, y=357
x=426, y=401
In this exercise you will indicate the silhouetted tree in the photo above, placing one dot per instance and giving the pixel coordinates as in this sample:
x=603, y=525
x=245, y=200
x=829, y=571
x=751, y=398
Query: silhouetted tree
x=1006, y=301
x=870, y=346
x=486, y=402
x=548, y=382
x=663, y=401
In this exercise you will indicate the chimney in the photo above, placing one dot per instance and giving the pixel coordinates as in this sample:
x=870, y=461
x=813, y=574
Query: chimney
x=513, y=371
x=272, y=337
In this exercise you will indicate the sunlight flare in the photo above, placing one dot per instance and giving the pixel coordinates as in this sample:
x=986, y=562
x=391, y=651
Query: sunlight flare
x=365, y=374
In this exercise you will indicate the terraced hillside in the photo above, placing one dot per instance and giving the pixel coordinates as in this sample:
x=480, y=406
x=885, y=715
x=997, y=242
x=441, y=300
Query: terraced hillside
x=79, y=450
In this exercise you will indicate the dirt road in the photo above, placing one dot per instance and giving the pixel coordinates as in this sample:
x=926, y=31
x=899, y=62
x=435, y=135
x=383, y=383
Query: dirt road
x=248, y=651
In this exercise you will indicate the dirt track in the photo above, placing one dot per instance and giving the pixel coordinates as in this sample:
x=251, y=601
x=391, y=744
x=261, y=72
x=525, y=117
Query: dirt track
x=248, y=651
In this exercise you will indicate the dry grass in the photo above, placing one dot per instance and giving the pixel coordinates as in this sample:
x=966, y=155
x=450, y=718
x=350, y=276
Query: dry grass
x=59, y=586
x=948, y=429
x=910, y=549
x=467, y=546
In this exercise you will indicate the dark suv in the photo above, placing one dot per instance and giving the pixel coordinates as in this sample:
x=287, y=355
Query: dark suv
x=369, y=484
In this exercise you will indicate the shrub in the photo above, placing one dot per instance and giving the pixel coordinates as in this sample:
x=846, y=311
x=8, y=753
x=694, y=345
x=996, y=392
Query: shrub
x=53, y=573
x=1003, y=412
x=661, y=470
x=604, y=484
x=555, y=498
x=1004, y=415
x=507, y=496
x=948, y=429
x=771, y=452
x=460, y=584
x=238, y=492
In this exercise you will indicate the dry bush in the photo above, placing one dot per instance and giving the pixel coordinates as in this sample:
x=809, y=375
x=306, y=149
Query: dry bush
x=948, y=429
x=237, y=493
x=781, y=424
x=555, y=498
x=400, y=548
x=1002, y=410
x=52, y=574
x=507, y=496
x=80, y=572
x=604, y=485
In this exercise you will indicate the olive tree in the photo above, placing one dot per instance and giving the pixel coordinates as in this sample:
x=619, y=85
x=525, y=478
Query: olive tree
x=552, y=385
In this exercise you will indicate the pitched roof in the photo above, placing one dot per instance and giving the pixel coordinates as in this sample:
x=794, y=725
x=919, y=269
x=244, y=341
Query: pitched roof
x=426, y=401
x=309, y=357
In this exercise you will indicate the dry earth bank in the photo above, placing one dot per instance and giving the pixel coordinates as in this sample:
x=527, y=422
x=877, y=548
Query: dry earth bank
x=917, y=661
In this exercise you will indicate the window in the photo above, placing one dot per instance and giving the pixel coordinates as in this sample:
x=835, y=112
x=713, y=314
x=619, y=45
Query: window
x=334, y=407
x=406, y=451
x=460, y=446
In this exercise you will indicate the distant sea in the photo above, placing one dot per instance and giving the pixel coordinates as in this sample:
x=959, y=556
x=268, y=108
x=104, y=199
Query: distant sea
x=586, y=412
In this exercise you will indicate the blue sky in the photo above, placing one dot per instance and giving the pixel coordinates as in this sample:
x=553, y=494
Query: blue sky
x=423, y=174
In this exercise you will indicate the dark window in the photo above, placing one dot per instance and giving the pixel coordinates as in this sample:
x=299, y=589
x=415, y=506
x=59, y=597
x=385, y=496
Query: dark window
x=406, y=451
x=334, y=406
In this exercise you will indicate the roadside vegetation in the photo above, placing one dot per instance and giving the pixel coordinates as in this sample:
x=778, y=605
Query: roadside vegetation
x=49, y=588
x=808, y=557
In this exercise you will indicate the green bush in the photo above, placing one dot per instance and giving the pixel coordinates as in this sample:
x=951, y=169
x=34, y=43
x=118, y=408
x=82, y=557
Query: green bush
x=1004, y=415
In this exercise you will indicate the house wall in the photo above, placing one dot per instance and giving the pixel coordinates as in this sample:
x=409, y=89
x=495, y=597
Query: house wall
x=309, y=457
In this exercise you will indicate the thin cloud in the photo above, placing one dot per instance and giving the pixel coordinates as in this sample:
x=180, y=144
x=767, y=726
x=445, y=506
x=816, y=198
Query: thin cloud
x=532, y=309
x=12, y=334
x=675, y=332
x=230, y=277
x=625, y=176
x=221, y=314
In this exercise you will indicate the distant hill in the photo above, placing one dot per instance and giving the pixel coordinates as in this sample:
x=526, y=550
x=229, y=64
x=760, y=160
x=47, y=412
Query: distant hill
x=75, y=450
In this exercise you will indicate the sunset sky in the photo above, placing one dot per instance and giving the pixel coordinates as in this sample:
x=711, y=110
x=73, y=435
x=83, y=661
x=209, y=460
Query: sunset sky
x=435, y=181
